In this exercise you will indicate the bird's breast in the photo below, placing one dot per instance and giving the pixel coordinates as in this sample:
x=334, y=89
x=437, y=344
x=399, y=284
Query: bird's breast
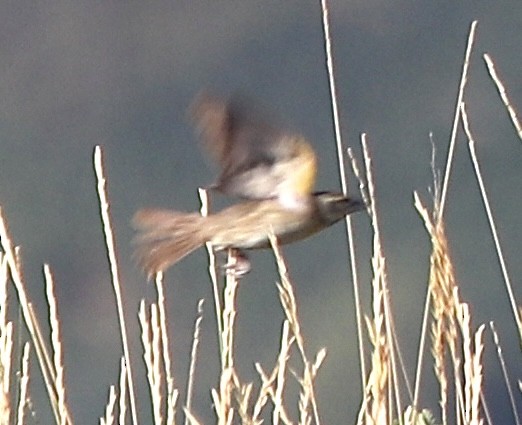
x=247, y=225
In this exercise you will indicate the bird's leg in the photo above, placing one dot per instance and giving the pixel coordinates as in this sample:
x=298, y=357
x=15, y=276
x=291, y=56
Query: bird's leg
x=238, y=264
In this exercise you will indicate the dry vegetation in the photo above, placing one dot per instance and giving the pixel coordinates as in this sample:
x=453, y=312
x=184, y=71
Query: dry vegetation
x=456, y=344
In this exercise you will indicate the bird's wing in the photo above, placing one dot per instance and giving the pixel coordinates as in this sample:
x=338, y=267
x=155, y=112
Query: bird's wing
x=256, y=159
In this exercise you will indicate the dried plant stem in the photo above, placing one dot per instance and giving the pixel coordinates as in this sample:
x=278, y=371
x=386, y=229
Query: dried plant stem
x=277, y=378
x=491, y=220
x=400, y=358
x=122, y=399
x=3, y=289
x=472, y=350
x=424, y=327
x=193, y=359
x=282, y=362
x=228, y=379
x=287, y=297
x=12, y=259
x=344, y=186
x=191, y=418
x=503, y=95
x=108, y=419
x=111, y=252
x=156, y=349
x=203, y=196
x=229, y=312
x=425, y=315
x=151, y=343
x=441, y=284
x=165, y=349
x=381, y=326
x=57, y=346
x=505, y=373
x=24, y=382
x=420, y=354
x=333, y=94
x=460, y=96
x=44, y=361
x=6, y=347
x=444, y=295
x=6, y=350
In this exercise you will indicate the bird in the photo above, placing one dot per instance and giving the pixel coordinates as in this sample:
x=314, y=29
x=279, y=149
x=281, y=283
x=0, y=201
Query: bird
x=257, y=160
x=272, y=172
x=167, y=236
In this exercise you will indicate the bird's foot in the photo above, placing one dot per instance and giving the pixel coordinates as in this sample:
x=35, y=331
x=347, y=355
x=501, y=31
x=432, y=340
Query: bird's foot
x=238, y=264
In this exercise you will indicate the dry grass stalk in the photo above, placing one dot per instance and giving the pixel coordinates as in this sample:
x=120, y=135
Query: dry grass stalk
x=491, y=220
x=460, y=97
x=111, y=252
x=212, y=270
x=231, y=395
x=448, y=312
x=444, y=332
x=150, y=337
x=243, y=394
x=503, y=94
x=229, y=313
x=307, y=396
x=157, y=371
x=109, y=418
x=377, y=404
x=193, y=359
x=505, y=374
x=157, y=358
x=223, y=398
x=442, y=283
x=12, y=257
x=228, y=379
x=282, y=363
x=472, y=365
x=3, y=291
x=24, y=383
x=46, y=366
x=191, y=418
x=57, y=346
x=170, y=396
x=286, y=294
x=122, y=399
x=344, y=184
x=272, y=386
x=435, y=191
x=6, y=346
x=266, y=392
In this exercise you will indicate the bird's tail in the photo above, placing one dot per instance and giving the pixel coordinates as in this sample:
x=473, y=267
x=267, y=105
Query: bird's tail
x=165, y=237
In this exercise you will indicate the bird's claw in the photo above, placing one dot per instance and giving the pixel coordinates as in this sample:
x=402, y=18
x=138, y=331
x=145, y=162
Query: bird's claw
x=238, y=264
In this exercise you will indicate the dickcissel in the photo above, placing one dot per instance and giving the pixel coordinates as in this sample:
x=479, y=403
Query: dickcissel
x=271, y=170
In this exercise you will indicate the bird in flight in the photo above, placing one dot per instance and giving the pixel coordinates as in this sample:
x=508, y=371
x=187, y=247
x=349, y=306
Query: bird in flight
x=271, y=171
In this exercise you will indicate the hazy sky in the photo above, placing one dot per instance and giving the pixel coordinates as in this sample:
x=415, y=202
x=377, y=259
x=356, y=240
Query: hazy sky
x=122, y=74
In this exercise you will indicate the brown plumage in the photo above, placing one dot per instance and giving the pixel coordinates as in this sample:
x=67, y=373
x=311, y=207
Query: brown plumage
x=256, y=159
x=165, y=237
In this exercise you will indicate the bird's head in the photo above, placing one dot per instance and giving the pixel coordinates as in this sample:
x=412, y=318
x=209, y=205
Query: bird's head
x=334, y=206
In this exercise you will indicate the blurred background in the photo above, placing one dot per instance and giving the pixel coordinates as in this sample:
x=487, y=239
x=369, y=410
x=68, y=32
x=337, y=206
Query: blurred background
x=122, y=74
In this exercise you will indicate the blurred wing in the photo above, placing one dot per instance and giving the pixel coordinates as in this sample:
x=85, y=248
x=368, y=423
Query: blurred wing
x=256, y=159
